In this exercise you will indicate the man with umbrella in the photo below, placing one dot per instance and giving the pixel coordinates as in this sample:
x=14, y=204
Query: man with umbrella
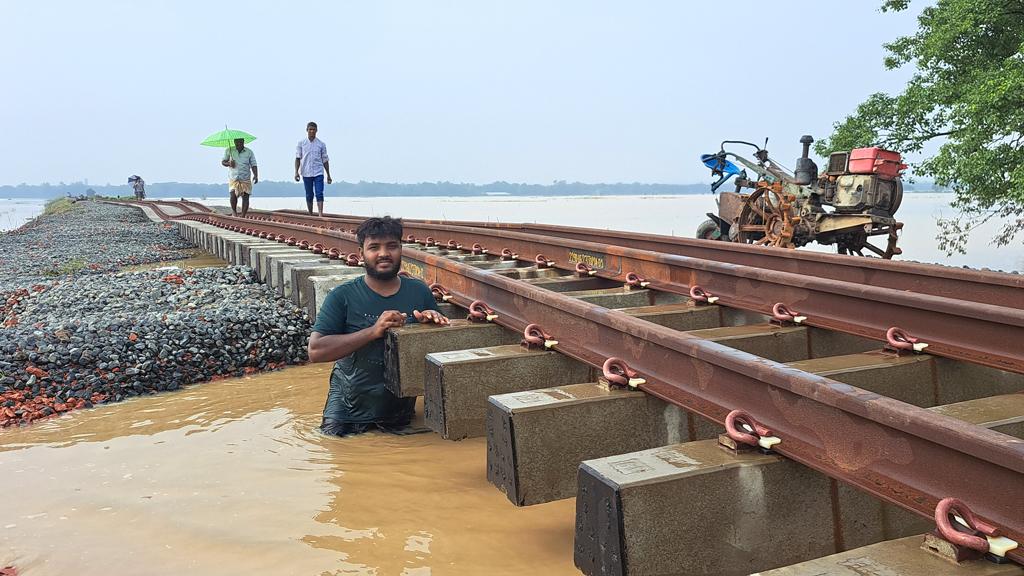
x=241, y=162
x=138, y=186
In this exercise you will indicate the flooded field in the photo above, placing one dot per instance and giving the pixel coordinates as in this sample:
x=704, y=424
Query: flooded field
x=15, y=212
x=230, y=477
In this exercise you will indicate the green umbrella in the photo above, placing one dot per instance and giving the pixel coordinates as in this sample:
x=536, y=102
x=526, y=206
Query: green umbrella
x=226, y=138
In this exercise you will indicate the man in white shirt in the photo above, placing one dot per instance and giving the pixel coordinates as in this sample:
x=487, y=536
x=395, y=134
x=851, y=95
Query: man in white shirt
x=310, y=163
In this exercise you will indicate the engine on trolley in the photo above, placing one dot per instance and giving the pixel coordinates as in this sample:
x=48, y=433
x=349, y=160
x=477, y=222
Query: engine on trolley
x=855, y=199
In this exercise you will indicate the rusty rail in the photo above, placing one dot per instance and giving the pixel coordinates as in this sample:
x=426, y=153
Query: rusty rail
x=981, y=333
x=185, y=207
x=893, y=450
x=950, y=282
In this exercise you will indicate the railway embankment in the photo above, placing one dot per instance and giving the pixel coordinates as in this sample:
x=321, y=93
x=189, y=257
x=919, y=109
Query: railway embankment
x=79, y=327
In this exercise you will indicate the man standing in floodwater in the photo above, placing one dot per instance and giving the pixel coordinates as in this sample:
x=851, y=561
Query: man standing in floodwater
x=311, y=162
x=240, y=161
x=350, y=329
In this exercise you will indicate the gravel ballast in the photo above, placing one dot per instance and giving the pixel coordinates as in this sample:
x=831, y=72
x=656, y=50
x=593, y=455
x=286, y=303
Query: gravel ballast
x=89, y=238
x=92, y=335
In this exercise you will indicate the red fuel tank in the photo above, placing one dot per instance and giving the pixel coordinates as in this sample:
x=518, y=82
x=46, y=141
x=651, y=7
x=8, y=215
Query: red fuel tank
x=884, y=163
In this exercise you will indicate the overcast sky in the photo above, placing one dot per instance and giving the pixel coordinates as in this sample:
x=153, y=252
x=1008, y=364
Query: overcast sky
x=409, y=91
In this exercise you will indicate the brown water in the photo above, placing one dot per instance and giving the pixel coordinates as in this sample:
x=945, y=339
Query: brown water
x=200, y=259
x=229, y=477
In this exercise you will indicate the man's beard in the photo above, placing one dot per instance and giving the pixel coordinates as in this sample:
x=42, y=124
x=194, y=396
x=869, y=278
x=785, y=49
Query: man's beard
x=371, y=271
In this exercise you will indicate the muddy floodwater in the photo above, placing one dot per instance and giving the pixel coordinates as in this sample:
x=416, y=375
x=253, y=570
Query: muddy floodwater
x=230, y=477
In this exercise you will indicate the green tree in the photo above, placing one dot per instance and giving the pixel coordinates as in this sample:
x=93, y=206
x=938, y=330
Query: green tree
x=967, y=95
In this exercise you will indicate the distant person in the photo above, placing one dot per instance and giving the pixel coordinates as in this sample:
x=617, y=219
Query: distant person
x=350, y=328
x=310, y=163
x=241, y=162
x=139, y=187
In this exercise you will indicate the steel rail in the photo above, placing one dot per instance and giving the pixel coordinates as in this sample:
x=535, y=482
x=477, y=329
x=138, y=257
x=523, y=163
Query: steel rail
x=158, y=207
x=951, y=282
x=903, y=454
x=195, y=206
x=981, y=333
x=155, y=207
x=186, y=206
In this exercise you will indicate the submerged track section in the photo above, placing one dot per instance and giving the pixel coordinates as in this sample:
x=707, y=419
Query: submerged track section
x=900, y=453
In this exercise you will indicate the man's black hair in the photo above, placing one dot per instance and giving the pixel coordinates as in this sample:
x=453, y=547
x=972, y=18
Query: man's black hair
x=386, y=227
x=313, y=124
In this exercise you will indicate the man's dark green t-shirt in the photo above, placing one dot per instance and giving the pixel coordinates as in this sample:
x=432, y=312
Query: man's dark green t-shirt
x=357, y=393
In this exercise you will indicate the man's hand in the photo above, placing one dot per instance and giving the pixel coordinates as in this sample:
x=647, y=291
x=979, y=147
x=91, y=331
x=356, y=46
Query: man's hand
x=329, y=180
x=255, y=179
x=296, y=176
x=389, y=319
x=431, y=316
x=231, y=163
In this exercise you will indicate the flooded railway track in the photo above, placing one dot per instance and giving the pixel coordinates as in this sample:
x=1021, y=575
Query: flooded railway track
x=920, y=431
x=985, y=332
x=957, y=283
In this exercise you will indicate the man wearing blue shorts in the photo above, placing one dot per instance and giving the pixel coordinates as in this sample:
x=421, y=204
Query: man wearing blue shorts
x=311, y=163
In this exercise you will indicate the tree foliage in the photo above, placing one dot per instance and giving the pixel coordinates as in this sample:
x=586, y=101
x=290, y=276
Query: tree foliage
x=967, y=94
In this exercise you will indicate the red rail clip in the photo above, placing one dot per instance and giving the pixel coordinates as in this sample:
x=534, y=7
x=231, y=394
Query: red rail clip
x=897, y=339
x=353, y=259
x=618, y=373
x=584, y=269
x=970, y=532
x=507, y=254
x=543, y=261
x=753, y=433
x=534, y=337
x=441, y=294
x=781, y=314
x=478, y=249
x=698, y=294
x=634, y=280
x=479, y=311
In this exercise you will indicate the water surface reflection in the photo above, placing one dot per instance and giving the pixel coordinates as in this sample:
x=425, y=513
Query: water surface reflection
x=229, y=478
